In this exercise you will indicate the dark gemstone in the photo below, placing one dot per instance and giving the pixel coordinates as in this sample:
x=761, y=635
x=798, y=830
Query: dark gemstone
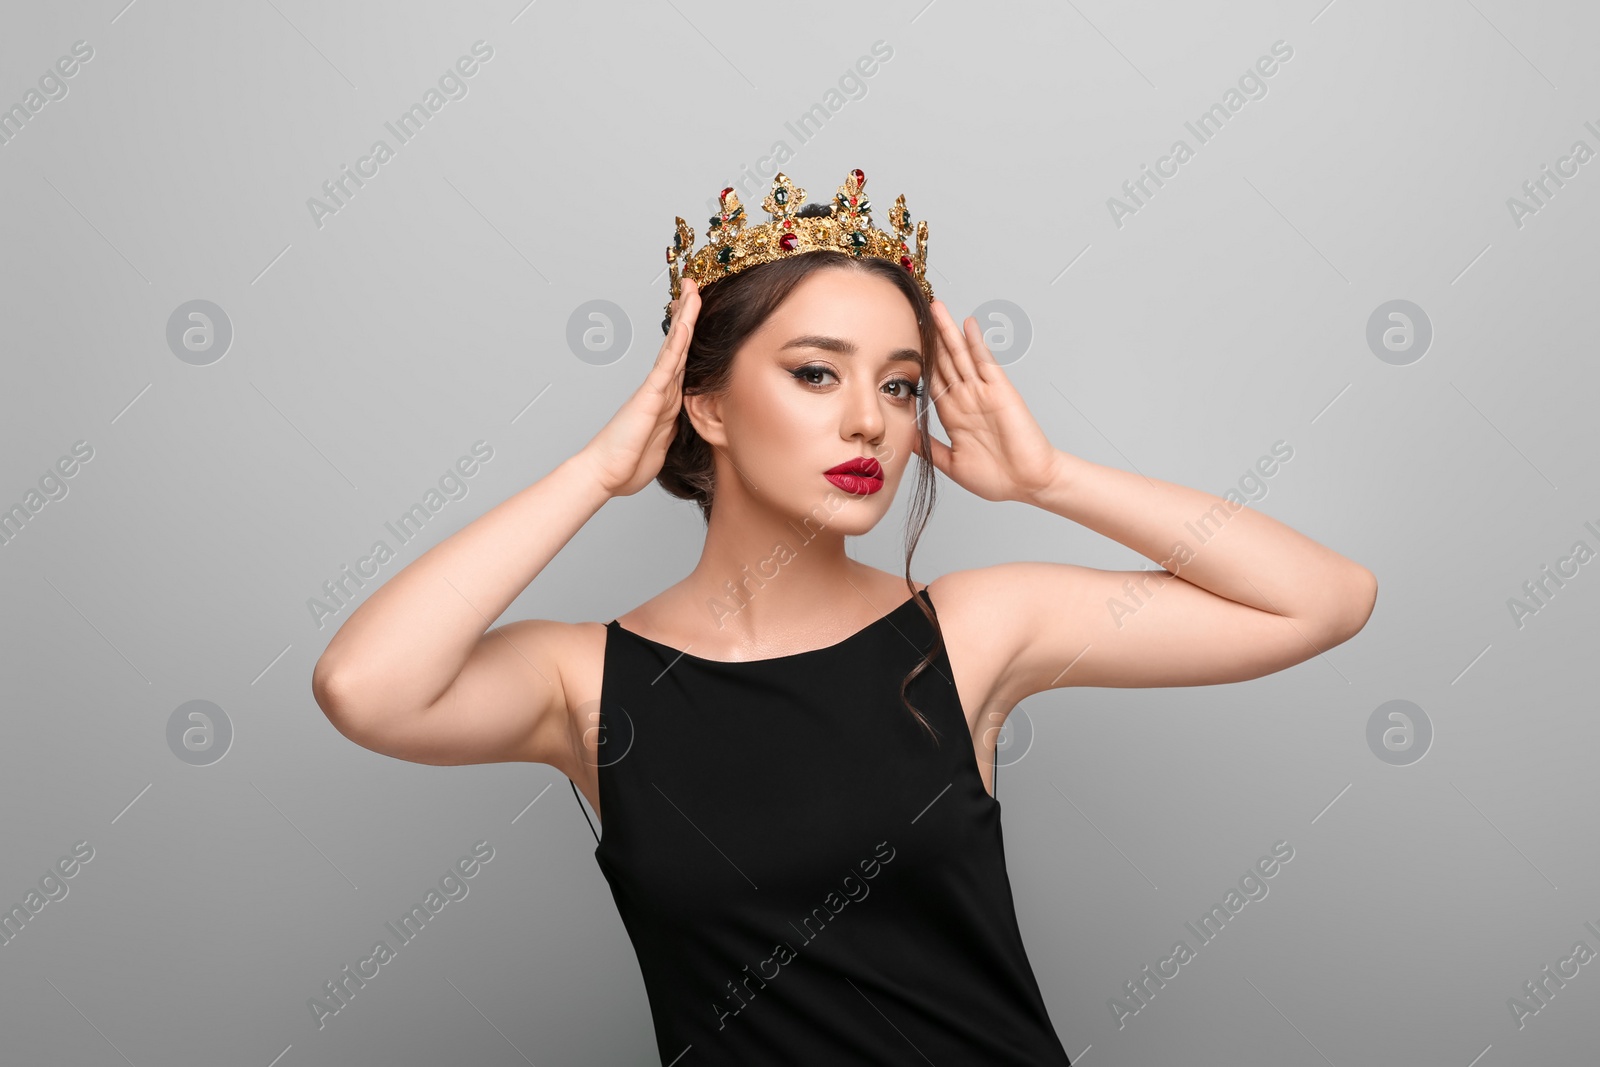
x=724, y=255
x=715, y=222
x=780, y=196
x=677, y=241
x=858, y=238
x=666, y=325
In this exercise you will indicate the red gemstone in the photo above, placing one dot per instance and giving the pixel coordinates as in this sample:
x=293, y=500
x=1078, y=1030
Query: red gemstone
x=788, y=225
x=726, y=191
x=852, y=201
x=905, y=261
x=788, y=241
x=861, y=178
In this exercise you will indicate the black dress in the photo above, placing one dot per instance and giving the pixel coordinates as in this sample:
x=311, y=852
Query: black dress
x=805, y=876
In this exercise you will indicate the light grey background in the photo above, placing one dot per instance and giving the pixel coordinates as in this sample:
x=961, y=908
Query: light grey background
x=431, y=311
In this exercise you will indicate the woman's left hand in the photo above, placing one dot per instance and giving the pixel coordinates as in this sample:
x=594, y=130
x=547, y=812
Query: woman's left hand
x=996, y=450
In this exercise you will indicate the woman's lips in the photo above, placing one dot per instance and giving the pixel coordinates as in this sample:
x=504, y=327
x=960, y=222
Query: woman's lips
x=857, y=484
x=862, y=476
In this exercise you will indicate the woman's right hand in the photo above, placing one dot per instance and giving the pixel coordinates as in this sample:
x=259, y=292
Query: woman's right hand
x=629, y=451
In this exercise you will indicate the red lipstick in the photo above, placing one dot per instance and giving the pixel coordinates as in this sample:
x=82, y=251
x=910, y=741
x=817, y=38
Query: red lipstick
x=861, y=476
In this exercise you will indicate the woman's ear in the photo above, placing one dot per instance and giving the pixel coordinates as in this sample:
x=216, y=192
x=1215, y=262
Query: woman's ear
x=705, y=415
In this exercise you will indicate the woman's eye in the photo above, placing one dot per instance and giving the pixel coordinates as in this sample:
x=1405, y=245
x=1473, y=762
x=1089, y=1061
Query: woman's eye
x=805, y=373
x=909, y=388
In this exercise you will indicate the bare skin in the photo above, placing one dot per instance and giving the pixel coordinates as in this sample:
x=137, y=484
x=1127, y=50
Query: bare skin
x=413, y=674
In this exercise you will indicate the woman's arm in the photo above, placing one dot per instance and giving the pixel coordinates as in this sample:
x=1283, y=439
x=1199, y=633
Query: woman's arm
x=1252, y=597
x=1228, y=549
x=412, y=672
x=1239, y=594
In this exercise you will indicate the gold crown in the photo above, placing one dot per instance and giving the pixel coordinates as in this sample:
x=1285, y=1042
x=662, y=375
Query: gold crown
x=732, y=245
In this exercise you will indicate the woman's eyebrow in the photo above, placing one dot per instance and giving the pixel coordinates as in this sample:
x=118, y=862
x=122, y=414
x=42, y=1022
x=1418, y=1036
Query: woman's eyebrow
x=848, y=348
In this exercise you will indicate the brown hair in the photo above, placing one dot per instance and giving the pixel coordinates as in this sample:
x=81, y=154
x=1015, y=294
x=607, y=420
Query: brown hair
x=734, y=307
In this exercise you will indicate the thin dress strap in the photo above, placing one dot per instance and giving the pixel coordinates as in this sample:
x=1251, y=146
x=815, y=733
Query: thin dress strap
x=583, y=808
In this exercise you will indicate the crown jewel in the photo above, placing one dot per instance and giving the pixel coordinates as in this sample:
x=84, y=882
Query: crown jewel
x=732, y=244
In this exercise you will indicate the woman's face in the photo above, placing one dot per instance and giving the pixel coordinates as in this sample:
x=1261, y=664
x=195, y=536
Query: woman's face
x=831, y=376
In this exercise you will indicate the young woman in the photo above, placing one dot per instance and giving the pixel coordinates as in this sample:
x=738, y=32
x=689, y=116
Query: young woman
x=791, y=753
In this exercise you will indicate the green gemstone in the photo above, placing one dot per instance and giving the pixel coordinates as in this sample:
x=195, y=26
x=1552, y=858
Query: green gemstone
x=715, y=222
x=780, y=196
x=858, y=238
x=724, y=255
